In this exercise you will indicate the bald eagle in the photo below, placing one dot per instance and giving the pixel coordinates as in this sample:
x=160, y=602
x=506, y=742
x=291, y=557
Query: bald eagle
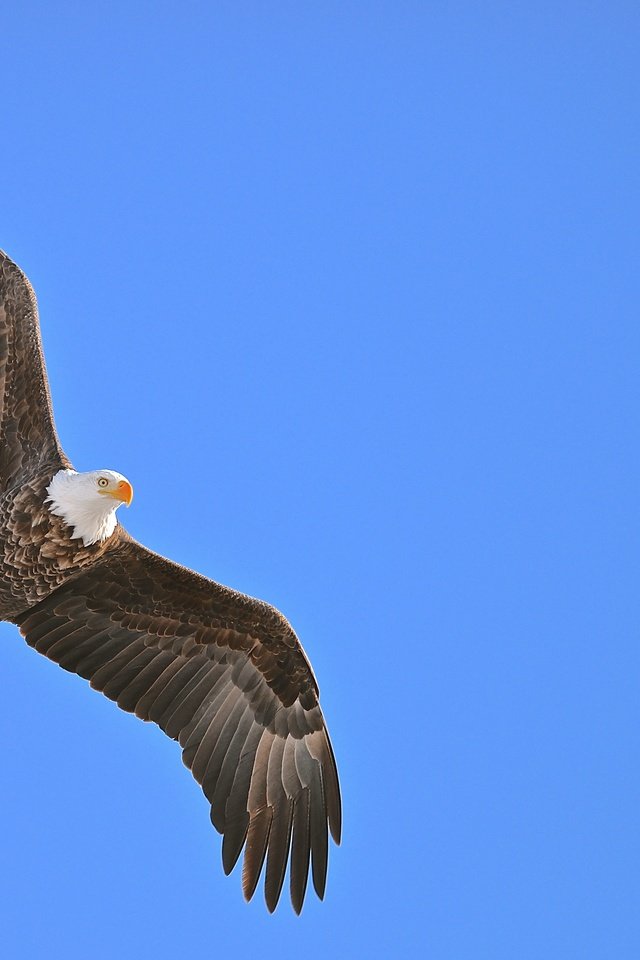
x=220, y=672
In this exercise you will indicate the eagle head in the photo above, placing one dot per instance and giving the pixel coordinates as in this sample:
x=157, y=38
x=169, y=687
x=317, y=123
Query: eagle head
x=87, y=502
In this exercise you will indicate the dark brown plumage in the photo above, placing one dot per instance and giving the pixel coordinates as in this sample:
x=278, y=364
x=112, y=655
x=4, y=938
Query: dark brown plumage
x=220, y=672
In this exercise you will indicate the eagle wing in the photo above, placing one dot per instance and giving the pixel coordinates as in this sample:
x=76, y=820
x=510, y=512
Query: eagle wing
x=28, y=436
x=226, y=676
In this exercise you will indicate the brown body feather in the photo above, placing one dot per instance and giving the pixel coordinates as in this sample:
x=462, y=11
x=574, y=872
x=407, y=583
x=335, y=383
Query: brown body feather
x=219, y=671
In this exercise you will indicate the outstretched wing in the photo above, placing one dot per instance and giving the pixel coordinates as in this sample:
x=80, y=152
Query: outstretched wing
x=226, y=676
x=28, y=437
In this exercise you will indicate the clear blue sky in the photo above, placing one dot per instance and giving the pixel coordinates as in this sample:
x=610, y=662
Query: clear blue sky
x=350, y=292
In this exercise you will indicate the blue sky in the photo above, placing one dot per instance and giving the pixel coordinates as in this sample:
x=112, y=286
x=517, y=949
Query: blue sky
x=349, y=292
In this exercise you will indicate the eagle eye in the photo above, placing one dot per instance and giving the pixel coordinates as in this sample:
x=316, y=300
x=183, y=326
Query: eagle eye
x=103, y=482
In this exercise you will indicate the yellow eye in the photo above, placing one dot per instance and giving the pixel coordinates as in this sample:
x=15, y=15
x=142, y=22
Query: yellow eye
x=103, y=482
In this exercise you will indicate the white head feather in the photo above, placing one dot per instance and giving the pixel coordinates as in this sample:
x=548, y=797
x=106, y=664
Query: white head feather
x=87, y=502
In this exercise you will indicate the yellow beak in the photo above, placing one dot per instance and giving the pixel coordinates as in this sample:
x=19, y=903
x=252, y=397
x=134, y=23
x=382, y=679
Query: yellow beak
x=123, y=492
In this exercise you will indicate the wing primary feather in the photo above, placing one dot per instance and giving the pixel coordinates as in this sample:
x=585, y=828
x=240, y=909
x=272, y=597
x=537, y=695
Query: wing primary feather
x=278, y=853
x=319, y=836
x=255, y=849
x=192, y=733
x=230, y=764
x=258, y=787
x=300, y=851
x=217, y=714
x=260, y=817
x=227, y=731
x=321, y=750
x=233, y=840
x=280, y=833
x=202, y=739
x=237, y=804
